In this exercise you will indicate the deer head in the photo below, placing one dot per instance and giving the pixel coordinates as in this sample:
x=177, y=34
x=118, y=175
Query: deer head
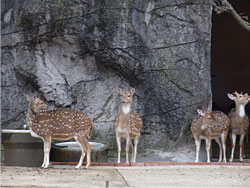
x=207, y=118
x=36, y=104
x=239, y=99
x=126, y=96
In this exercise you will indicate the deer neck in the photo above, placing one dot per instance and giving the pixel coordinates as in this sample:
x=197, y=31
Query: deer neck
x=126, y=108
x=30, y=117
x=240, y=110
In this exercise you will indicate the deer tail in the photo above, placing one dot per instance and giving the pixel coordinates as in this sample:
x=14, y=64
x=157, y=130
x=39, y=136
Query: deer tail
x=90, y=130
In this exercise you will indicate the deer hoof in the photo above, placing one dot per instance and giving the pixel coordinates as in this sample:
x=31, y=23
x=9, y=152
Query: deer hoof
x=78, y=166
x=46, y=166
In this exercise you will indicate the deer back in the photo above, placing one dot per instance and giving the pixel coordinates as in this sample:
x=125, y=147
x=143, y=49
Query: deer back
x=135, y=124
x=210, y=125
x=62, y=123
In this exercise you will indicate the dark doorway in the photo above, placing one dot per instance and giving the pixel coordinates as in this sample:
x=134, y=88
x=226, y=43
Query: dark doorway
x=230, y=66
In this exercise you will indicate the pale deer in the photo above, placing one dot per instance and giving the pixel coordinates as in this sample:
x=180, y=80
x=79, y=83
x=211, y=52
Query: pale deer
x=210, y=125
x=239, y=121
x=127, y=125
x=58, y=124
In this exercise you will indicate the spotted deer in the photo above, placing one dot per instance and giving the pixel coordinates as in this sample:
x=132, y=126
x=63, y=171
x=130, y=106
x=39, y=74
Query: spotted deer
x=58, y=124
x=210, y=125
x=239, y=121
x=127, y=125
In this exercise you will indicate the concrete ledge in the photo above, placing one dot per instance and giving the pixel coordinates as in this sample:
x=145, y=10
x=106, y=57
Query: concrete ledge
x=155, y=164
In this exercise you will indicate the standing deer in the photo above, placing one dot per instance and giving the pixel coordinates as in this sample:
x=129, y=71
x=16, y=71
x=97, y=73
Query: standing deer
x=58, y=124
x=210, y=125
x=239, y=121
x=127, y=125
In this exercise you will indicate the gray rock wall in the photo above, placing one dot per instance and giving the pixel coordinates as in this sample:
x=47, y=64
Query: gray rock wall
x=75, y=53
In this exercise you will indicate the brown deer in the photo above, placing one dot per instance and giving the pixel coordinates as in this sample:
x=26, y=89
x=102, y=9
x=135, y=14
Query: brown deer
x=210, y=125
x=127, y=125
x=239, y=121
x=58, y=124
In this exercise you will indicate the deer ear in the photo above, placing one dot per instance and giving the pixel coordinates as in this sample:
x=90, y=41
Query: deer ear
x=28, y=97
x=200, y=112
x=230, y=96
x=248, y=97
x=119, y=90
x=133, y=91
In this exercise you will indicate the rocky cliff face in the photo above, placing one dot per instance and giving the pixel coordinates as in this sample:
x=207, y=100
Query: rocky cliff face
x=75, y=53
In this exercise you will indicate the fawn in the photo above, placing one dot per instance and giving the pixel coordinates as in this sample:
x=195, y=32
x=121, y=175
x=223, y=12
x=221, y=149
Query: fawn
x=127, y=125
x=210, y=125
x=58, y=124
x=239, y=121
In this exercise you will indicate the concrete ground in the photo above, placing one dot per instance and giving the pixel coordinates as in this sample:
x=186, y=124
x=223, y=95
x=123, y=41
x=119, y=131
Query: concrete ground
x=146, y=176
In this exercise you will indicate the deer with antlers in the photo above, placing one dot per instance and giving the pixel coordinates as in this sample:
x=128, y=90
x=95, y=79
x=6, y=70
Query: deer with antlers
x=58, y=124
x=127, y=125
x=210, y=125
x=239, y=121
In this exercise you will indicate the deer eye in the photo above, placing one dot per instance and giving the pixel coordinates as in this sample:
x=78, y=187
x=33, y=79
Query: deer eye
x=128, y=95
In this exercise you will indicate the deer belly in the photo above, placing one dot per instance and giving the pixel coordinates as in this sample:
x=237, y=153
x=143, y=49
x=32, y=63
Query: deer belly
x=34, y=134
x=122, y=132
x=238, y=130
x=63, y=134
x=62, y=137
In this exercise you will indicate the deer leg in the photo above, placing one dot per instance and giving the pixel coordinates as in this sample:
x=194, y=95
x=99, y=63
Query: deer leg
x=208, y=144
x=219, y=143
x=83, y=147
x=243, y=151
x=118, y=141
x=242, y=136
x=198, y=145
x=127, y=148
x=135, y=148
x=223, y=141
x=47, y=146
x=44, y=154
x=233, y=139
x=88, y=153
x=132, y=146
x=243, y=147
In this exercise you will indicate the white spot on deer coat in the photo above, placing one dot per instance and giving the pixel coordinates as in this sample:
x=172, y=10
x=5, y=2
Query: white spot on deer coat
x=126, y=108
x=242, y=111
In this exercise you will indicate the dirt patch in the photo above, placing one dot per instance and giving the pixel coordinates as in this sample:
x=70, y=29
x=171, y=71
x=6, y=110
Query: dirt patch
x=171, y=176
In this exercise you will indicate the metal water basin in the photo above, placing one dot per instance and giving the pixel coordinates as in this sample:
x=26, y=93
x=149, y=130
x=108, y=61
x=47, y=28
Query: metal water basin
x=95, y=146
x=71, y=152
